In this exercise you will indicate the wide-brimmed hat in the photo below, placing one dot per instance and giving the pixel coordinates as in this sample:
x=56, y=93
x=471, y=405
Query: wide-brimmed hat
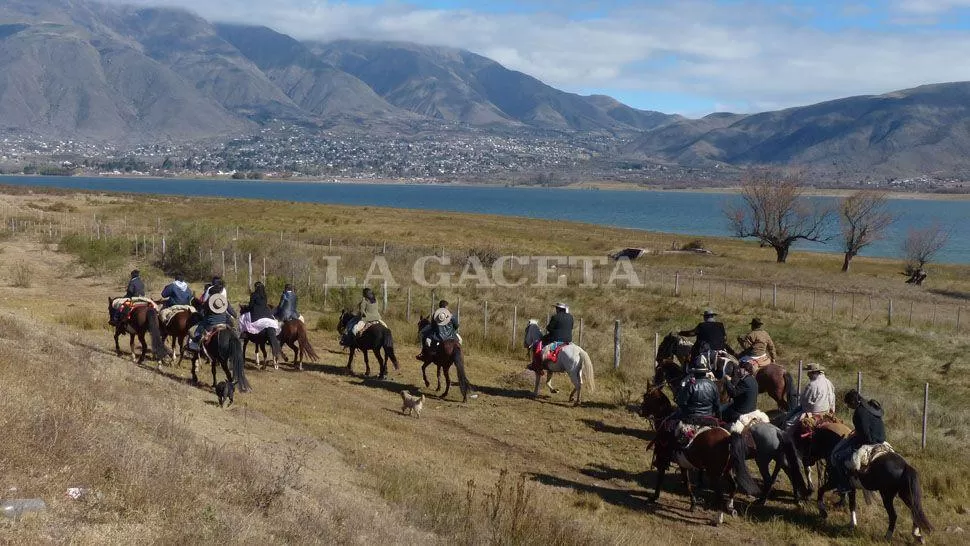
x=442, y=316
x=561, y=305
x=812, y=367
x=710, y=313
x=218, y=303
x=756, y=322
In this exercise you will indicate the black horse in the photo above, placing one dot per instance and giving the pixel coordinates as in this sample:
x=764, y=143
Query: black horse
x=447, y=353
x=376, y=338
x=268, y=336
x=224, y=348
x=890, y=475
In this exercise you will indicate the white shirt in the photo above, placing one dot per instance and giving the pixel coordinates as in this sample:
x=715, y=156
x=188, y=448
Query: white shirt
x=818, y=396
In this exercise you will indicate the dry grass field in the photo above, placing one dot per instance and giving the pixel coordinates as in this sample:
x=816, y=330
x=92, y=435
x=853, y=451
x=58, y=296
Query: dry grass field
x=321, y=456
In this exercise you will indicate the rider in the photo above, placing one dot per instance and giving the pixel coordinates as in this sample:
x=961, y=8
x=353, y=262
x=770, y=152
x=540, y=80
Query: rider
x=258, y=308
x=817, y=398
x=697, y=404
x=758, y=344
x=710, y=332
x=743, y=392
x=286, y=310
x=214, y=313
x=135, y=289
x=560, y=327
x=367, y=312
x=177, y=292
x=869, y=429
x=442, y=326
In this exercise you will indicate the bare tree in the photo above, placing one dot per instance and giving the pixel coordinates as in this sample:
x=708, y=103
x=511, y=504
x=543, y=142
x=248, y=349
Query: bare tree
x=775, y=210
x=921, y=245
x=864, y=218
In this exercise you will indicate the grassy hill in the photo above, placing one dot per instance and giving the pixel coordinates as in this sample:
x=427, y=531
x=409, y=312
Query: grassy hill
x=323, y=456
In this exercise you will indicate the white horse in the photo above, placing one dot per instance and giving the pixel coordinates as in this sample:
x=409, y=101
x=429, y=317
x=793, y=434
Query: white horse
x=571, y=359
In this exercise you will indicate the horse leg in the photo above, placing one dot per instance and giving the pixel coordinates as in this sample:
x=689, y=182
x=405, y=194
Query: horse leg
x=424, y=375
x=437, y=375
x=131, y=347
x=535, y=393
x=767, y=478
x=853, y=516
x=577, y=386
x=366, y=363
x=690, y=489
x=350, y=360
x=549, y=383
x=447, y=383
x=181, y=340
x=887, y=502
x=117, y=347
x=382, y=363
x=660, y=481
x=195, y=378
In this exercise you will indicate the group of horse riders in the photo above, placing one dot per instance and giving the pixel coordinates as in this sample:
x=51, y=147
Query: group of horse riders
x=213, y=304
x=698, y=400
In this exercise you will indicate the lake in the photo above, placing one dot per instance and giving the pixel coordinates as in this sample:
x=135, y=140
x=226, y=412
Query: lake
x=686, y=213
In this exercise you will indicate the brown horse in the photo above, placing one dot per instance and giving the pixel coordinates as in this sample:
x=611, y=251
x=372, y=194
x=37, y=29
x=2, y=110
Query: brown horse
x=292, y=334
x=446, y=354
x=814, y=448
x=711, y=452
x=138, y=321
x=178, y=328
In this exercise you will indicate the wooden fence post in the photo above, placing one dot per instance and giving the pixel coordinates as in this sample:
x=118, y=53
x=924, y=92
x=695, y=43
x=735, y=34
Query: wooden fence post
x=384, y=290
x=890, y=311
x=515, y=318
x=926, y=407
x=224, y=263
x=677, y=284
x=235, y=264
x=264, y=269
x=485, y=323
x=833, y=304
x=326, y=295
x=616, y=344
x=458, y=309
x=580, y=331
x=656, y=344
x=959, y=311
x=250, y=278
x=858, y=382
x=798, y=386
x=774, y=296
x=814, y=293
x=911, y=314
x=407, y=314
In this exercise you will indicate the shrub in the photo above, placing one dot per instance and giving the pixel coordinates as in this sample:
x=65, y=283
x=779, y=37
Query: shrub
x=187, y=251
x=103, y=255
x=696, y=244
x=21, y=275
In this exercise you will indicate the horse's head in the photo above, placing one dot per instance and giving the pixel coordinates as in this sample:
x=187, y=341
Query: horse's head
x=655, y=404
x=110, y=307
x=533, y=332
x=345, y=317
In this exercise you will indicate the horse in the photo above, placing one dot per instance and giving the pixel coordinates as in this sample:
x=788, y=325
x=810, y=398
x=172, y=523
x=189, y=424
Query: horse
x=447, y=353
x=375, y=338
x=141, y=319
x=710, y=451
x=224, y=347
x=890, y=475
x=260, y=339
x=178, y=327
x=572, y=359
x=815, y=448
x=292, y=334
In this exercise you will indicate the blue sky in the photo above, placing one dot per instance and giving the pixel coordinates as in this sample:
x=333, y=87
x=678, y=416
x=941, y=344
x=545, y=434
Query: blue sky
x=689, y=56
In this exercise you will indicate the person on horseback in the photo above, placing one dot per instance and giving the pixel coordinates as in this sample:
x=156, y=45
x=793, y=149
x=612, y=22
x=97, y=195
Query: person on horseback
x=286, y=310
x=216, y=310
x=443, y=326
x=368, y=311
x=136, y=288
x=758, y=344
x=698, y=399
x=869, y=429
x=710, y=332
x=177, y=292
x=743, y=392
x=560, y=327
x=817, y=399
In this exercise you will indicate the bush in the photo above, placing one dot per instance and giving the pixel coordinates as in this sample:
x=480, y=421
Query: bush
x=187, y=251
x=21, y=275
x=103, y=255
x=696, y=244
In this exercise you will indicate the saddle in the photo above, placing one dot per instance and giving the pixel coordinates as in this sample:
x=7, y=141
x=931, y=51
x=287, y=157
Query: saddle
x=212, y=332
x=169, y=312
x=867, y=454
x=810, y=422
x=748, y=419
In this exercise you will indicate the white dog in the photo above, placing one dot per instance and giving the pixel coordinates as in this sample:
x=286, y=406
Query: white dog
x=411, y=404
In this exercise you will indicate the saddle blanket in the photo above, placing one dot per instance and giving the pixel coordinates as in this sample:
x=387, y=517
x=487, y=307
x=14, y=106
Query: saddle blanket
x=246, y=325
x=551, y=352
x=686, y=433
x=809, y=422
x=761, y=361
x=170, y=312
x=362, y=326
x=867, y=454
x=748, y=419
x=118, y=303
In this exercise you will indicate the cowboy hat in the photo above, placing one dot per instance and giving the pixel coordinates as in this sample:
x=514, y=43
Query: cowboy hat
x=813, y=368
x=218, y=303
x=561, y=305
x=710, y=313
x=756, y=322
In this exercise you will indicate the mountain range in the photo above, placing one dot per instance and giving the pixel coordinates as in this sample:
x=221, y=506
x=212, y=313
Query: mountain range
x=76, y=69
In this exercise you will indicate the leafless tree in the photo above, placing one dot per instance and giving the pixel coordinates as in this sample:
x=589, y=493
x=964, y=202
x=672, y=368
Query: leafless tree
x=864, y=218
x=774, y=210
x=922, y=244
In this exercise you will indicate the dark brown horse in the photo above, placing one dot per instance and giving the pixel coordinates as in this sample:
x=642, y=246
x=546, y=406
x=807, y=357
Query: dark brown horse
x=375, y=339
x=812, y=448
x=446, y=354
x=710, y=452
x=293, y=335
x=178, y=328
x=138, y=321
x=223, y=348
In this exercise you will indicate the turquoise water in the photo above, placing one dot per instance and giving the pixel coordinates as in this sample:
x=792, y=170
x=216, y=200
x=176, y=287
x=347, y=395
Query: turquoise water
x=684, y=213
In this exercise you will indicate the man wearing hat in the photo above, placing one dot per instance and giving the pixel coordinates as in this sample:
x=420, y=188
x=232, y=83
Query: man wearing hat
x=743, y=392
x=710, y=333
x=216, y=310
x=443, y=326
x=135, y=289
x=817, y=399
x=560, y=327
x=368, y=311
x=758, y=344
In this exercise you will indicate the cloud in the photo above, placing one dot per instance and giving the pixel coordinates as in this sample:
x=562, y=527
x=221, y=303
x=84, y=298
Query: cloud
x=756, y=53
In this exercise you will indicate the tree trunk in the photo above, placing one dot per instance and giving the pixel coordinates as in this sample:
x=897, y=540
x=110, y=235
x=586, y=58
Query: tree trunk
x=845, y=262
x=782, y=252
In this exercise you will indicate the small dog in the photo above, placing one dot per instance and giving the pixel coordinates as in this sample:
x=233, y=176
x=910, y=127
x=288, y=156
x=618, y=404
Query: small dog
x=411, y=404
x=224, y=391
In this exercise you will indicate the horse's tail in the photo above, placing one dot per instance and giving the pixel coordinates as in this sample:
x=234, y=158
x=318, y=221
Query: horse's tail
x=742, y=476
x=389, y=348
x=790, y=393
x=794, y=460
x=236, y=357
x=913, y=493
x=586, y=364
x=305, y=348
x=155, y=332
x=459, y=359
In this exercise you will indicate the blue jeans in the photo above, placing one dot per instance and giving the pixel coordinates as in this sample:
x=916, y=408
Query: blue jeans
x=839, y=462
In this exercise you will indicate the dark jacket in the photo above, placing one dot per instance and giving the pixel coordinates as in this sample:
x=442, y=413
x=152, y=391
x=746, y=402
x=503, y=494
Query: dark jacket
x=258, y=309
x=711, y=332
x=136, y=288
x=560, y=328
x=867, y=420
x=286, y=310
x=744, y=398
x=698, y=398
x=174, y=295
